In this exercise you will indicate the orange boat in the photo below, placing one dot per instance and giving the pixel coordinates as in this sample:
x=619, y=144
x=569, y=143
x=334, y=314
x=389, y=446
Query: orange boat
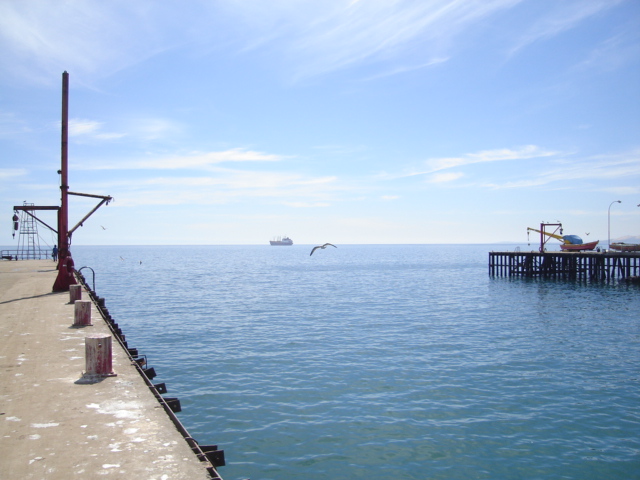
x=579, y=247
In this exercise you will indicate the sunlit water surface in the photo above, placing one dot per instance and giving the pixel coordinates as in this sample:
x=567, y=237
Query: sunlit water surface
x=379, y=362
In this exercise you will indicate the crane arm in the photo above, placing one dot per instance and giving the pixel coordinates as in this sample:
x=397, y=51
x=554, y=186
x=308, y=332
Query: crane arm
x=547, y=233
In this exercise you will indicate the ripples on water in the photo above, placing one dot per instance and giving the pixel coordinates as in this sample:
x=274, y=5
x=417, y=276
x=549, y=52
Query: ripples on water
x=376, y=362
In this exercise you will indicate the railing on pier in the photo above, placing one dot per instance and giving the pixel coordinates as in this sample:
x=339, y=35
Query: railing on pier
x=26, y=254
x=593, y=266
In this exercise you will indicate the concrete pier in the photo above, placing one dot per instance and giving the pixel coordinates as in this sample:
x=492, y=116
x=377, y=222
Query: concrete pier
x=55, y=421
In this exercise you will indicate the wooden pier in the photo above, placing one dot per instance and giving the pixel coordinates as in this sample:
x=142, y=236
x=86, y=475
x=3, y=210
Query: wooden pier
x=592, y=266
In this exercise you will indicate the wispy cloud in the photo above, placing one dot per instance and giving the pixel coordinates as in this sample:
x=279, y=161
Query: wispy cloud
x=566, y=172
x=407, y=68
x=612, y=53
x=485, y=156
x=445, y=177
x=9, y=173
x=356, y=33
x=153, y=128
x=306, y=38
x=10, y=124
x=562, y=16
x=551, y=168
x=226, y=186
x=137, y=129
x=83, y=127
x=189, y=161
x=307, y=204
x=434, y=165
x=86, y=37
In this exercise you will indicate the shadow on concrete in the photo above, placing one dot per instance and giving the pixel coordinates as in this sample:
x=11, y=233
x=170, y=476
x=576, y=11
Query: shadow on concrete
x=32, y=297
x=87, y=379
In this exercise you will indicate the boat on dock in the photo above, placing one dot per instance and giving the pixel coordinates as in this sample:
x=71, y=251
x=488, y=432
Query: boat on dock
x=625, y=247
x=578, y=247
x=281, y=241
x=570, y=243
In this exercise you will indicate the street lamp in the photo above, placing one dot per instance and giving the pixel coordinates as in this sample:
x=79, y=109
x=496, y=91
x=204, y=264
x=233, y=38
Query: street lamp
x=609, y=221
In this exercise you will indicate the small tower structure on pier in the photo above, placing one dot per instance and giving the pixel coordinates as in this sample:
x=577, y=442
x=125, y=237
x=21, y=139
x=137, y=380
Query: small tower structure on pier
x=28, y=238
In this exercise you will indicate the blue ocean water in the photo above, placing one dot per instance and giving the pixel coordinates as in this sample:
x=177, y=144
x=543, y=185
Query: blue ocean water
x=377, y=362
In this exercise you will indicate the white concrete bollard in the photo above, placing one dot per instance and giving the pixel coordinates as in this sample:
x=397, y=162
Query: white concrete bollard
x=82, y=313
x=75, y=293
x=98, y=355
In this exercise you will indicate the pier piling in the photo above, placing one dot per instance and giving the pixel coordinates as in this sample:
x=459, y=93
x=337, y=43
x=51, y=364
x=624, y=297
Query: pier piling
x=591, y=266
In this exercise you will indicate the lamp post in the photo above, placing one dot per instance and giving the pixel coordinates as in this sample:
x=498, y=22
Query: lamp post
x=609, y=221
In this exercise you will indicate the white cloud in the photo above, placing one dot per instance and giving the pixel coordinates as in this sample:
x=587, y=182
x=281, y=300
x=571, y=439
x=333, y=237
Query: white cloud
x=223, y=185
x=83, y=127
x=9, y=173
x=407, y=68
x=153, y=128
x=498, y=155
x=87, y=38
x=10, y=124
x=307, y=38
x=89, y=129
x=139, y=128
x=193, y=160
x=354, y=33
x=486, y=156
x=612, y=53
x=597, y=168
x=445, y=177
x=306, y=204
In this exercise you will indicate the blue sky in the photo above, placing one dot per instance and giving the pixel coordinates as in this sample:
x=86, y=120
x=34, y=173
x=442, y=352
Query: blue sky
x=348, y=121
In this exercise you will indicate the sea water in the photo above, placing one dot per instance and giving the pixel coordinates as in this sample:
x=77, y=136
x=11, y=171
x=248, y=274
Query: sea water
x=383, y=362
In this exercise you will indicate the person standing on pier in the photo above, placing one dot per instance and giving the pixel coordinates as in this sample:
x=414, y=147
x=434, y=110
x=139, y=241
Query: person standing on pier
x=54, y=253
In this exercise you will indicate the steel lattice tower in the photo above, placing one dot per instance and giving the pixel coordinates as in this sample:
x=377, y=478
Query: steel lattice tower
x=28, y=239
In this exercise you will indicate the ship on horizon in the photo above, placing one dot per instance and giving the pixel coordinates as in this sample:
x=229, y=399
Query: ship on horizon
x=281, y=241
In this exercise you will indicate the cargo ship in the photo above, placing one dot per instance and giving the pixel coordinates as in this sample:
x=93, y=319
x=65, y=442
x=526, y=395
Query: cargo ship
x=284, y=241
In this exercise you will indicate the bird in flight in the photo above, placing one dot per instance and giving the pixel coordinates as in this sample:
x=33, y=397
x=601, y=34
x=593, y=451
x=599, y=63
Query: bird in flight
x=322, y=247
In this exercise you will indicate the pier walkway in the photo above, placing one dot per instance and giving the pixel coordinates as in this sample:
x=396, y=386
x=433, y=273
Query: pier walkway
x=54, y=424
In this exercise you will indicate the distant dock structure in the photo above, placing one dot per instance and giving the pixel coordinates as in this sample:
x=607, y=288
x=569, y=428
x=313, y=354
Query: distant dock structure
x=589, y=266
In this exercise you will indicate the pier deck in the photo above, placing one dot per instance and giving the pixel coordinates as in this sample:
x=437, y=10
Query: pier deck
x=592, y=266
x=54, y=424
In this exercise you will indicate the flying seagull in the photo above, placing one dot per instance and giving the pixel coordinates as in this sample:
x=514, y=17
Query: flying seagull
x=322, y=247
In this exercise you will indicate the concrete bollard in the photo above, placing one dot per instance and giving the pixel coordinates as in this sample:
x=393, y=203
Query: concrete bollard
x=75, y=293
x=82, y=313
x=98, y=355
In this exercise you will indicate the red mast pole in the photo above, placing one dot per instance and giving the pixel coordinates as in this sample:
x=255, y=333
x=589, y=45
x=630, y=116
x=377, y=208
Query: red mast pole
x=65, y=262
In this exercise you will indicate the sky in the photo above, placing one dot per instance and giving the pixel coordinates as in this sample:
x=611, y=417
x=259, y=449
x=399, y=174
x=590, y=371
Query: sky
x=345, y=121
